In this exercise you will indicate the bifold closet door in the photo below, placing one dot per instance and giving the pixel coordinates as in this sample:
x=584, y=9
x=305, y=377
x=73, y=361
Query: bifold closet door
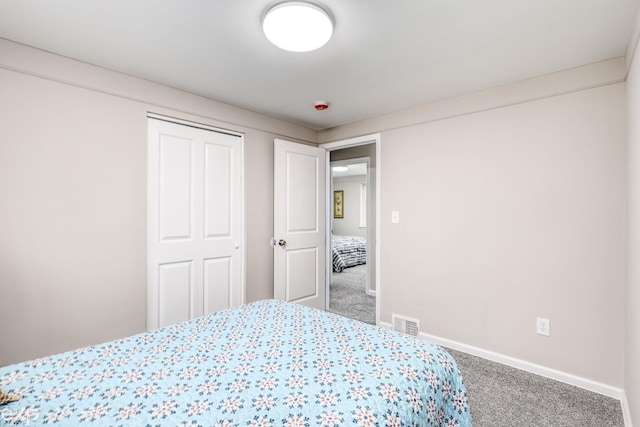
x=195, y=222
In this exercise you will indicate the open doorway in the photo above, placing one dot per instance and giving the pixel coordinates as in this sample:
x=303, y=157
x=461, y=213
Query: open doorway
x=352, y=281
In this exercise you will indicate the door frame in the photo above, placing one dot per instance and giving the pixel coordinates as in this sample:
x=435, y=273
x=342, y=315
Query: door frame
x=337, y=145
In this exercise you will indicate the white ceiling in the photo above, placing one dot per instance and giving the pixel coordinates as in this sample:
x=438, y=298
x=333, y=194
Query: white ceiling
x=385, y=55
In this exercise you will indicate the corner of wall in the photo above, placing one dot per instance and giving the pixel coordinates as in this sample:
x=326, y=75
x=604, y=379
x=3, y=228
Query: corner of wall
x=632, y=46
x=626, y=413
x=632, y=325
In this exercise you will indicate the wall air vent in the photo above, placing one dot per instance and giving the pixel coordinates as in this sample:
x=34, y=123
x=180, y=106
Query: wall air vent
x=405, y=325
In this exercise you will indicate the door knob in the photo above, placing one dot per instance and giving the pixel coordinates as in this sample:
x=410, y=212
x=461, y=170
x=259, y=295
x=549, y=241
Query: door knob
x=282, y=243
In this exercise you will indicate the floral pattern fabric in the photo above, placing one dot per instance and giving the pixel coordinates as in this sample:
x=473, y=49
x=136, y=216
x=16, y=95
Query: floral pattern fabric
x=267, y=363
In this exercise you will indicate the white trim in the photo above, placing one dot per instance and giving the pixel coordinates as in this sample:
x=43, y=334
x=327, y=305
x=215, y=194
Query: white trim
x=626, y=411
x=352, y=142
x=632, y=46
x=243, y=221
x=364, y=203
x=378, y=140
x=533, y=368
x=327, y=227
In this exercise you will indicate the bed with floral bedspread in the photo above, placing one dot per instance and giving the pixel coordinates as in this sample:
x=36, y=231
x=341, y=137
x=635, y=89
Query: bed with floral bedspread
x=267, y=363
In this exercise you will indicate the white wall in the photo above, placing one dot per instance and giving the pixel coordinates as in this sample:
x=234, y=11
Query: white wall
x=632, y=354
x=73, y=198
x=520, y=214
x=512, y=206
x=350, y=224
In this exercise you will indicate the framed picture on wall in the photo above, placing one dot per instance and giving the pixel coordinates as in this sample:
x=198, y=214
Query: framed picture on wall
x=338, y=204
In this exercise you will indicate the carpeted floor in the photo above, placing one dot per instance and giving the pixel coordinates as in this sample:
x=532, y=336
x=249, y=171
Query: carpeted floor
x=347, y=295
x=501, y=396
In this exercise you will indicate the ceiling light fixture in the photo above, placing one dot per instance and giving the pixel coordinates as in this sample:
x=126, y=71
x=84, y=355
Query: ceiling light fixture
x=297, y=26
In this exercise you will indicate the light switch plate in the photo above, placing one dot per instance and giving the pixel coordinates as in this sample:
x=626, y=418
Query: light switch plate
x=395, y=217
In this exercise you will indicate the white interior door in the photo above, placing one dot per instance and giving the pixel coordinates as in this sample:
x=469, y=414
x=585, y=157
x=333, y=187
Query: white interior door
x=195, y=222
x=299, y=223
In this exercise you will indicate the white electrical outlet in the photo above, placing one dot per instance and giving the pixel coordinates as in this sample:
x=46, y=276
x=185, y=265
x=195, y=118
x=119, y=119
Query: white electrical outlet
x=542, y=326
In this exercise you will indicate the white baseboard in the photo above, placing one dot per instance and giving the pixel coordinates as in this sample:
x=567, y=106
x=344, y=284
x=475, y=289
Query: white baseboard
x=544, y=371
x=626, y=412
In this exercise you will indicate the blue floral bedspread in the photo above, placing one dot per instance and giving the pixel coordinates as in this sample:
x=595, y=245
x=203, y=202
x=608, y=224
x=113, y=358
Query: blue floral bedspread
x=267, y=363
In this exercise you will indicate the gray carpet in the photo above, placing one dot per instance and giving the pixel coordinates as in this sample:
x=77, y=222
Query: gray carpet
x=347, y=295
x=501, y=396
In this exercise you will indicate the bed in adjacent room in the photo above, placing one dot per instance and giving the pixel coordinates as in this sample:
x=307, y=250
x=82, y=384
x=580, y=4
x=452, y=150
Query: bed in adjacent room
x=347, y=251
x=267, y=363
